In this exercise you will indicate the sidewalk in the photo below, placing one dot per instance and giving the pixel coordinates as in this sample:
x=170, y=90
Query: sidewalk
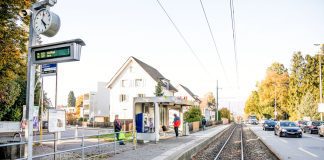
x=171, y=148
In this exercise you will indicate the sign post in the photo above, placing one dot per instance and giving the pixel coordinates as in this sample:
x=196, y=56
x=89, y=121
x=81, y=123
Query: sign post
x=64, y=51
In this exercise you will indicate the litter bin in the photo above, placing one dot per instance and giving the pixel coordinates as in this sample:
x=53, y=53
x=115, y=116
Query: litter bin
x=11, y=152
x=186, y=129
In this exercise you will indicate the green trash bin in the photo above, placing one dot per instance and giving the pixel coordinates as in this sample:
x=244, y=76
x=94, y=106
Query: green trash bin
x=11, y=152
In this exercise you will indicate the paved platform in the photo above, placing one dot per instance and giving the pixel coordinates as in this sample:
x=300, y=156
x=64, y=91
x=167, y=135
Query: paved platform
x=171, y=148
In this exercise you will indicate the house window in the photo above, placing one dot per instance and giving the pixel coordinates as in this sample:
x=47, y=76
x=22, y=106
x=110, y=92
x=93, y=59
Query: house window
x=131, y=69
x=122, y=98
x=141, y=95
x=138, y=83
x=124, y=83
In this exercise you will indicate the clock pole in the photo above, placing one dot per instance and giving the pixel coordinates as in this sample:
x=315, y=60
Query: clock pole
x=30, y=90
x=31, y=69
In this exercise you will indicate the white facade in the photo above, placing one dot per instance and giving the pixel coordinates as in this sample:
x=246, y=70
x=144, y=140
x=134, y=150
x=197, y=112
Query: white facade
x=130, y=81
x=102, y=100
x=96, y=104
x=186, y=94
x=89, y=103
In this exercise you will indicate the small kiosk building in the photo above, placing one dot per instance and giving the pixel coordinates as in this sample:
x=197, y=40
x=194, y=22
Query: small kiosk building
x=151, y=114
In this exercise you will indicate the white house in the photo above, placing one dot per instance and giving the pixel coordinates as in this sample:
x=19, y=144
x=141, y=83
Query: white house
x=134, y=79
x=185, y=93
x=88, y=104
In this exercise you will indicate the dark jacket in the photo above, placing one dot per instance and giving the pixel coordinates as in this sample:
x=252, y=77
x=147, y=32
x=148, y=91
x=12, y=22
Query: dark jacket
x=117, y=126
x=203, y=121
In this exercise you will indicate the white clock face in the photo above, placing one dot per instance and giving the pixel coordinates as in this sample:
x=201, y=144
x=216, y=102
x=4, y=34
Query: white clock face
x=42, y=21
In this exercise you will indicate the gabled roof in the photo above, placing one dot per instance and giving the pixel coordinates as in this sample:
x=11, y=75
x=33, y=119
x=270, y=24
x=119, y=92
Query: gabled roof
x=154, y=73
x=189, y=92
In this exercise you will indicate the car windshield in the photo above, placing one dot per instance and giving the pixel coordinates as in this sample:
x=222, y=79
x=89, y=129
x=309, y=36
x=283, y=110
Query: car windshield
x=287, y=124
x=270, y=122
x=316, y=123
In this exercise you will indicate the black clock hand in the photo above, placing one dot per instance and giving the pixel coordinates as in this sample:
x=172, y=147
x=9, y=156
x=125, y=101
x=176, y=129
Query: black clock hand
x=43, y=23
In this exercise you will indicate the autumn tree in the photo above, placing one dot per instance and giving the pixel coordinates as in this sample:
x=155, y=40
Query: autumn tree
x=225, y=113
x=13, y=50
x=78, y=105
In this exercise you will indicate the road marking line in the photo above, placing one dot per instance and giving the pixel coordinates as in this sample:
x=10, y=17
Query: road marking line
x=310, y=153
x=314, y=137
x=283, y=140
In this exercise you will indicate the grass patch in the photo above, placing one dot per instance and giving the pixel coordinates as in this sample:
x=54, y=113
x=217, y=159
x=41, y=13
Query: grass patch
x=111, y=136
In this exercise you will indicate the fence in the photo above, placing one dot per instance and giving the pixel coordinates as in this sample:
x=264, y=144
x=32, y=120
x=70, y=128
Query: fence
x=112, y=141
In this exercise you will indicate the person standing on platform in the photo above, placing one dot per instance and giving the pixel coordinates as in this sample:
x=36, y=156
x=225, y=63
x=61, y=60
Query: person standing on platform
x=176, y=124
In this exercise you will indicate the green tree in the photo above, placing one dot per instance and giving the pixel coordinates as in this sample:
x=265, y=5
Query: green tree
x=295, y=92
x=308, y=106
x=71, y=99
x=159, y=90
x=193, y=114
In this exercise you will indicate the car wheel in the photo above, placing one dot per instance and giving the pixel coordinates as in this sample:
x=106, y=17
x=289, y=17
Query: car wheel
x=300, y=136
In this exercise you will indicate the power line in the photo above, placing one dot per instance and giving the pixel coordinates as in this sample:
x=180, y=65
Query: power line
x=214, y=41
x=234, y=40
x=183, y=38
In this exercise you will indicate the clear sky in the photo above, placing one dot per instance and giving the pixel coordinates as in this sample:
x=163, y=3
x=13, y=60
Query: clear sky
x=113, y=30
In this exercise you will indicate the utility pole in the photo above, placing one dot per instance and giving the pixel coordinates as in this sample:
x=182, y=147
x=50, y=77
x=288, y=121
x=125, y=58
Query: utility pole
x=216, y=101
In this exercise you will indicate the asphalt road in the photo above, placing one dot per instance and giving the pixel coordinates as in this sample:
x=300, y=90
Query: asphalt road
x=310, y=147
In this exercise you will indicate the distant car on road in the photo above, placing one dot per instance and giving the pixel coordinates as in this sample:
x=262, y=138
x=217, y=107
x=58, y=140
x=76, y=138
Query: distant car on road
x=321, y=130
x=287, y=128
x=268, y=125
x=263, y=120
x=311, y=127
x=300, y=123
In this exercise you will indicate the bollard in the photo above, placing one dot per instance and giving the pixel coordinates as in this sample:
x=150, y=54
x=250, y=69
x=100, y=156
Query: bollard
x=76, y=132
x=115, y=143
x=82, y=147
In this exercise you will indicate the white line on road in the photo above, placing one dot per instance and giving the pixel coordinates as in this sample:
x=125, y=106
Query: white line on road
x=314, y=137
x=283, y=140
x=310, y=153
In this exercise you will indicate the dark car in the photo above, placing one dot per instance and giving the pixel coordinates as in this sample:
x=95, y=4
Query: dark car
x=268, y=125
x=311, y=127
x=287, y=128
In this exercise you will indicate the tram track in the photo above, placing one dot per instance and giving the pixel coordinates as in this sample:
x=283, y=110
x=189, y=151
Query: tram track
x=235, y=143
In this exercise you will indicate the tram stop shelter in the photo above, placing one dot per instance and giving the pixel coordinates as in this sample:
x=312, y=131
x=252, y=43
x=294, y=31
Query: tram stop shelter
x=151, y=115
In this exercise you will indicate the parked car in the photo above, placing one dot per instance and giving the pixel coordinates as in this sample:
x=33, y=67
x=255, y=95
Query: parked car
x=287, y=128
x=268, y=125
x=263, y=120
x=321, y=130
x=300, y=123
x=311, y=127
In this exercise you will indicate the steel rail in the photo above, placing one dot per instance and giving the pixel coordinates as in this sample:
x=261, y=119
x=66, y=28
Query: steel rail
x=229, y=137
